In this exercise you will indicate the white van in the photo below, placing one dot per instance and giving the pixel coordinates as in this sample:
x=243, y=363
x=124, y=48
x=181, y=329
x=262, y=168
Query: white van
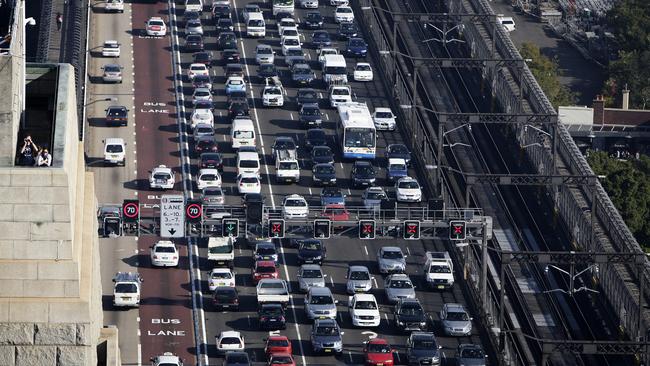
x=255, y=26
x=507, y=22
x=335, y=69
x=248, y=162
x=242, y=132
x=114, y=151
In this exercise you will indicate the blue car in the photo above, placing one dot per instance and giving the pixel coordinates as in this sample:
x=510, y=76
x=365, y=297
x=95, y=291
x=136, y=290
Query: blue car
x=321, y=39
x=357, y=47
x=332, y=196
x=396, y=169
x=235, y=84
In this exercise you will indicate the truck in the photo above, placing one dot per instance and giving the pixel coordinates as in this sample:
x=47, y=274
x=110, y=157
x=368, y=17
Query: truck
x=221, y=250
x=439, y=270
x=287, y=168
x=126, y=291
x=270, y=290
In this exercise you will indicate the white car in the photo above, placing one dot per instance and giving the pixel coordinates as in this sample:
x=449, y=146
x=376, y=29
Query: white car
x=202, y=115
x=164, y=254
x=308, y=4
x=197, y=69
x=324, y=52
x=201, y=94
x=384, y=119
x=161, y=177
x=235, y=82
x=230, y=340
x=115, y=151
x=249, y=183
x=166, y=359
x=286, y=23
x=264, y=54
x=507, y=22
x=248, y=9
x=295, y=206
x=111, y=48
x=156, y=27
x=408, y=189
x=339, y=2
x=208, y=178
x=289, y=32
x=288, y=43
x=364, y=310
x=363, y=72
x=194, y=5
x=340, y=94
x=273, y=93
x=221, y=277
x=343, y=14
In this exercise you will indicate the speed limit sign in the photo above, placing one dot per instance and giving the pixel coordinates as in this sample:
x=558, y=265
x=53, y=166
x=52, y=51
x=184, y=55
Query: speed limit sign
x=193, y=211
x=131, y=210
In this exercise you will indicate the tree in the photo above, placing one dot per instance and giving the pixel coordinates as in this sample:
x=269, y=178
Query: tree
x=628, y=185
x=546, y=72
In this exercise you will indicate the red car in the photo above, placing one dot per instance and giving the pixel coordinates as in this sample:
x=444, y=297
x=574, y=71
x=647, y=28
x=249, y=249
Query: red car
x=281, y=359
x=264, y=269
x=336, y=212
x=378, y=352
x=277, y=344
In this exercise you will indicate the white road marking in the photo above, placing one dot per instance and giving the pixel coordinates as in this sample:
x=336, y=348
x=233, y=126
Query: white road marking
x=365, y=248
x=374, y=281
x=408, y=250
x=310, y=191
x=291, y=115
x=332, y=280
x=139, y=354
x=327, y=116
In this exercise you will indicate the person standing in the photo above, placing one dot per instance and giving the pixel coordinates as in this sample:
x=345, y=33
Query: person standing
x=28, y=151
x=44, y=158
x=59, y=20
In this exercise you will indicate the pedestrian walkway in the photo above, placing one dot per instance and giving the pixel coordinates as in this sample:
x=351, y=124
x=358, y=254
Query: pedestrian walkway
x=55, y=50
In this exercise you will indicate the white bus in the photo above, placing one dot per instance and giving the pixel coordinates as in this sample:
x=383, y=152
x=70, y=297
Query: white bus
x=283, y=5
x=356, y=131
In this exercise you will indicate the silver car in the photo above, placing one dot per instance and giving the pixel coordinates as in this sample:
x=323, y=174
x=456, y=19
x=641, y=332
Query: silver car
x=310, y=275
x=391, y=260
x=213, y=196
x=308, y=4
x=471, y=355
x=320, y=303
x=399, y=286
x=373, y=197
x=112, y=73
x=203, y=129
x=264, y=54
x=455, y=320
x=194, y=27
x=358, y=280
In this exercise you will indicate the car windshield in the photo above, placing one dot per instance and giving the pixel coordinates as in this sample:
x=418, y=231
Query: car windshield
x=202, y=93
x=114, y=149
x=307, y=94
x=221, y=275
x=249, y=164
x=410, y=310
x=243, y=134
x=375, y=195
x=265, y=269
x=348, y=27
x=322, y=152
x=204, y=130
x=289, y=33
x=291, y=42
x=230, y=340
x=400, y=284
x=194, y=38
x=398, y=149
x=249, y=180
x=264, y=51
x=112, y=68
x=324, y=169
x=156, y=23
x=278, y=343
x=384, y=115
x=365, y=170
x=272, y=285
x=197, y=68
x=221, y=249
x=343, y=9
x=295, y=203
x=422, y=343
x=316, y=134
x=236, y=359
x=194, y=23
x=340, y=91
x=256, y=23
x=357, y=43
x=295, y=52
x=439, y=269
x=311, y=111
x=265, y=250
x=321, y=35
x=333, y=192
x=311, y=245
x=302, y=70
x=284, y=144
x=359, y=276
x=116, y=111
x=457, y=316
x=164, y=176
x=321, y=300
x=281, y=360
x=312, y=273
x=366, y=305
x=111, y=45
x=205, y=143
x=472, y=353
x=272, y=310
x=363, y=68
x=409, y=184
x=235, y=82
x=209, y=177
x=288, y=165
x=124, y=288
x=314, y=16
x=392, y=254
x=378, y=348
x=327, y=331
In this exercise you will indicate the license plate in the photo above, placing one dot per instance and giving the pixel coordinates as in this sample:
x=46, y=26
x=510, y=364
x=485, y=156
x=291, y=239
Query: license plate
x=322, y=317
x=221, y=262
x=274, y=320
x=380, y=364
x=221, y=284
x=328, y=350
x=441, y=286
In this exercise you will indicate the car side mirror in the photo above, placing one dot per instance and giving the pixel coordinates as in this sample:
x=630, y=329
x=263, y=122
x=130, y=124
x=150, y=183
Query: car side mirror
x=336, y=301
x=342, y=333
x=439, y=347
x=406, y=256
x=471, y=318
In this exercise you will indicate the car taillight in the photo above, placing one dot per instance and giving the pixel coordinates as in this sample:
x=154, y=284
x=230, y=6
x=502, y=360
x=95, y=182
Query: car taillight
x=264, y=318
x=236, y=301
x=174, y=257
x=155, y=257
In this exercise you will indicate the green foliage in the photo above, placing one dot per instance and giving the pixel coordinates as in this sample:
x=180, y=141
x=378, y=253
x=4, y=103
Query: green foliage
x=630, y=22
x=546, y=72
x=628, y=186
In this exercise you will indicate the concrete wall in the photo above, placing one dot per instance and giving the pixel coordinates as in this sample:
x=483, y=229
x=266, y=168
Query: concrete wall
x=50, y=292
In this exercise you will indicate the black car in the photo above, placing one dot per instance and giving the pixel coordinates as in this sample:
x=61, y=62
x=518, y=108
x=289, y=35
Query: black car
x=322, y=155
x=409, y=315
x=202, y=58
x=311, y=251
x=324, y=174
x=310, y=115
x=210, y=161
x=314, y=20
x=238, y=96
x=193, y=42
x=306, y=96
x=202, y=81
x=224, y=25
x=398, y=151
x=117, y=115
x=227, y=40
x=238, y=109
x=192, y=15
x=283, y=14
x=315, y=137
x=347, y=30
x=230, y=55
x=301, y=74
x=225, y=297
x=267, y=71
x=206, y=144
x=271, y=317
x=234, y=69
x=363, y=173
x=220, y=11
x=236, y=358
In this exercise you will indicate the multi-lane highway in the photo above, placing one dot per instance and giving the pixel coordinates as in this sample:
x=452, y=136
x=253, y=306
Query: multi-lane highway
x=158, y=95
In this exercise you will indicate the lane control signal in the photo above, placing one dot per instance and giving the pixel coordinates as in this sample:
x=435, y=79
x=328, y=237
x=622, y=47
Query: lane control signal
x=457, y=230
x=367, y=229
x=276, y=228
x=411, y=229
x=322, y=229
x=230, y=227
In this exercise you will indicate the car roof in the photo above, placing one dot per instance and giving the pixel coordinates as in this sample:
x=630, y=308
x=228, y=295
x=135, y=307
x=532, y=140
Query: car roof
x=265, y=263
x=230, y=333
x=359, y=269
x=310, y=267
x=294, y=196
x=396, y=161
x=220, y=270
x=325, y=321
x=455, y=307
x=365, y=297
x=391, y=249
x=264, y=244
x=278, y=338
x=320, y=291
x=114, y=141
x=208, y=171
x=383, y=109
x=398, y=276
x=421, y=335
x=377, y=341
x=165, y=243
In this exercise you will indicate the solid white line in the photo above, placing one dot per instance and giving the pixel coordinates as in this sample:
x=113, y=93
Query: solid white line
x=139, y=354
x=408, y=250
x=375, y=282
x=366, y=249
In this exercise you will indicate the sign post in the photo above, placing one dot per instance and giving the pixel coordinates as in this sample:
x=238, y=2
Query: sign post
x=172, y=216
